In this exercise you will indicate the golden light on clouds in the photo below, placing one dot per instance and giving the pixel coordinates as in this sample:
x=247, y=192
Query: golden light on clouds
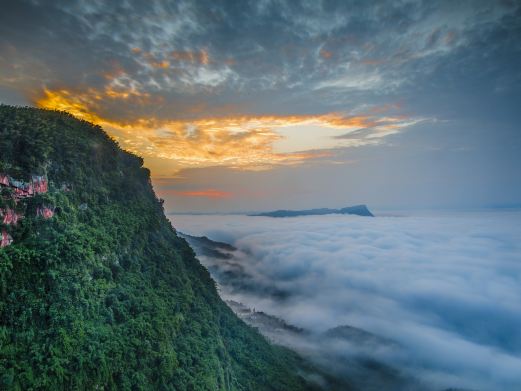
x=65, y=100
x=174, y=58
x=327, y=54
x=197, y=57
x=242, y=142
x=205, y=193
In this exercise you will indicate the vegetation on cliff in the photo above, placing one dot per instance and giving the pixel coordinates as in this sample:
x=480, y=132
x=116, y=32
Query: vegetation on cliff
x=105, y=295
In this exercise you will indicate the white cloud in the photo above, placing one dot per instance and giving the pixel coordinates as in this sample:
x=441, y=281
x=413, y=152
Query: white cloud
x=446, y=288
x=353, y=81
x=208, y=77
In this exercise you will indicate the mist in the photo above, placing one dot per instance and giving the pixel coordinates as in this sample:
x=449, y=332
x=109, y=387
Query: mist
x=445, y=288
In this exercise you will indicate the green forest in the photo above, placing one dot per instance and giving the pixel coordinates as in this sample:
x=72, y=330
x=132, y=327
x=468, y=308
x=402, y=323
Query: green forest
x=104, y=295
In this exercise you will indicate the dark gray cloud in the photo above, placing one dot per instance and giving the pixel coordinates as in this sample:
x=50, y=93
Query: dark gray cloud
x=444, y=287
x=296, y=56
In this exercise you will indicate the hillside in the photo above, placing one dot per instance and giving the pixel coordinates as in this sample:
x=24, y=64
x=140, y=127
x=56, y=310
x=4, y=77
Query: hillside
x=97, y=291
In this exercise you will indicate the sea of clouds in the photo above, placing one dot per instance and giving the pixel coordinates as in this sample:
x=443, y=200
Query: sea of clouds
x=445, y=287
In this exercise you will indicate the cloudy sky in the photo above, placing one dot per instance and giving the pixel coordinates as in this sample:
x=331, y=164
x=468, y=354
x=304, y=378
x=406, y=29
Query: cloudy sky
x=252, y=105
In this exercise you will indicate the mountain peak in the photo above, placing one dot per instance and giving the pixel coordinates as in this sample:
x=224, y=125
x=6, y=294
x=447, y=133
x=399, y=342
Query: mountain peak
x=360, y=210
x=102, y=293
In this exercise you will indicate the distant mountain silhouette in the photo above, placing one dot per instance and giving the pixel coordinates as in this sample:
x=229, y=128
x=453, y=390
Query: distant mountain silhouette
x=360, y=210
x=208, y=247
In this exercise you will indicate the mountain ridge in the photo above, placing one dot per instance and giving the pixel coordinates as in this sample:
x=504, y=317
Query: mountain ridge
x=104, y=294
x=359, y=210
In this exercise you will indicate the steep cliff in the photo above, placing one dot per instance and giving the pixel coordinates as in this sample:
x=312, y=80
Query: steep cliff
x=102, y=293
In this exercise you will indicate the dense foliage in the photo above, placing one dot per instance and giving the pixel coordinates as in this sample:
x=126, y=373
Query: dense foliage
x=105, y=295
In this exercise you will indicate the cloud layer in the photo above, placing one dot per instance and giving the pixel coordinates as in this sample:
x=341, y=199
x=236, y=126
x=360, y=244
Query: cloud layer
x=209, y=83
x=446, y=288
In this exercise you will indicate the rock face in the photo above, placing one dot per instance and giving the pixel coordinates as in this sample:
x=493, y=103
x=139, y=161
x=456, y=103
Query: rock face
x=109, y=296
x=360, y=210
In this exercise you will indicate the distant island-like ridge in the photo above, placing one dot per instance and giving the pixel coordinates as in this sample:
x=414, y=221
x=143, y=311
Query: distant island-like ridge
x=359, y=210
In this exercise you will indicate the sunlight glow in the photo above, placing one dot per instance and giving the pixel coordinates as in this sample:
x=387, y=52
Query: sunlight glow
x=245, y=142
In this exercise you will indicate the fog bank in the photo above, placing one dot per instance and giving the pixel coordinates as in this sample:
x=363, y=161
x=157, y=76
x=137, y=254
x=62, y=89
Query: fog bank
x=447, y=288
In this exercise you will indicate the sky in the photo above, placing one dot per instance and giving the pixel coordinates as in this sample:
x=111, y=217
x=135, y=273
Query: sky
x=259, y=105
x=444, y=287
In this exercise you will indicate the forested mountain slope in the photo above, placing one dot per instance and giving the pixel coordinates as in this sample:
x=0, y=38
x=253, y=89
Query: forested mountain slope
x=101, y=293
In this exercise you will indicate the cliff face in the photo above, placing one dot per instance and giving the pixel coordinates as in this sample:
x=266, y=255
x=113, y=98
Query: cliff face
x=103, y=294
